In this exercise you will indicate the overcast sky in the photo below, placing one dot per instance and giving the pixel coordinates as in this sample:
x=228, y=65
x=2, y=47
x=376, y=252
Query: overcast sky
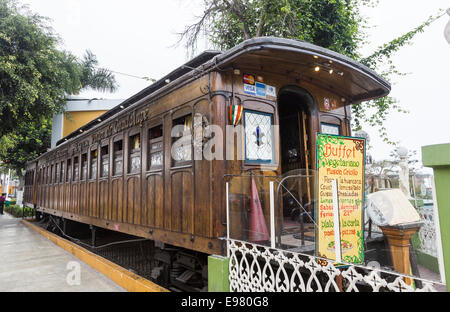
x=136, y=37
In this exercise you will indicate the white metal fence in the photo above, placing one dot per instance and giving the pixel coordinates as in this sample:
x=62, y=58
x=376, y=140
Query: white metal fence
x=257, y=268
x=427, y=233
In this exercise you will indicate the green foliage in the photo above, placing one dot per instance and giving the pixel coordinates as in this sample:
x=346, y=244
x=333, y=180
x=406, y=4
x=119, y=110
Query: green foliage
x=18, y=211
x=35, y=78
x=334, y=24
x=31, y=140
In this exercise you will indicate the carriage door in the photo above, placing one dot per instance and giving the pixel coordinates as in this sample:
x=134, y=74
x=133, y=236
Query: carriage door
x=295, y=109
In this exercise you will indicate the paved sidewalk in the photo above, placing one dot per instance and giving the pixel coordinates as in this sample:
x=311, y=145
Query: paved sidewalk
x=29, y=262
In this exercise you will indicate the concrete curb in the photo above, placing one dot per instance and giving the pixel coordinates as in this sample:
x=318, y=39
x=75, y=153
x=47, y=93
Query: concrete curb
x=116, y=273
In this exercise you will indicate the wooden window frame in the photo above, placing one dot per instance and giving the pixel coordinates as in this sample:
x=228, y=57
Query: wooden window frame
x=272, y=161
x=69, y=167
x=92, y=150
x=133, y=152
x=115, y=155
x=102, y=157
x=76, y=164
x=81, y=166
x=182, y=113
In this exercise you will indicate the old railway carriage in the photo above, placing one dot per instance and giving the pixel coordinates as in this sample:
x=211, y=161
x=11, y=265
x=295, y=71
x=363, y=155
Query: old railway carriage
x=117, y=172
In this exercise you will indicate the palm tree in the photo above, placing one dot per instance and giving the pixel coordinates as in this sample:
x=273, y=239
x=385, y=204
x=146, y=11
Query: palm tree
x=93, y=77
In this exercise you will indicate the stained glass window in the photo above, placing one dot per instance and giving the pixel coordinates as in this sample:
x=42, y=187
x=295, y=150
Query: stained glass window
x=258, y=136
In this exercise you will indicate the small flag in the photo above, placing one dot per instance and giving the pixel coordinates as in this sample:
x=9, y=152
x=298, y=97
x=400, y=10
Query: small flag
x=235, y=114
x=258, y=227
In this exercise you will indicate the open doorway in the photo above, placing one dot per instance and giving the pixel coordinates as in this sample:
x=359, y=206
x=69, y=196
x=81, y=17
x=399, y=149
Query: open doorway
x=296, y=107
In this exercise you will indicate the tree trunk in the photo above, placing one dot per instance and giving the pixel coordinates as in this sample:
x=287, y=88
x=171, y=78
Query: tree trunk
x=21, y=180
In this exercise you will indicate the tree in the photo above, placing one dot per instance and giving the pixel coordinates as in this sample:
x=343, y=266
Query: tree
x=35, y=78
x=334, y=24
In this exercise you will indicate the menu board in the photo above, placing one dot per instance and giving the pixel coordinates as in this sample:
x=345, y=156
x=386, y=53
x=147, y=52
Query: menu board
x=342, y=159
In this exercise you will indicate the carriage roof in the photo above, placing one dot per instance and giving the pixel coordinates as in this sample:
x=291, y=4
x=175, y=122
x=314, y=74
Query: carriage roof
x=356, y=83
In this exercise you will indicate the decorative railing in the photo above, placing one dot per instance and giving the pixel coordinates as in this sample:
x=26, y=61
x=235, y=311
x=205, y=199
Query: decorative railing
x=427, y=233
x=257, y=268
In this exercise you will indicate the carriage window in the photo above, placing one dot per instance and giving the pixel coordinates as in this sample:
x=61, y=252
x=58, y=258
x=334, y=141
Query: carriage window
x=93, y=173
x=76, y=169
x=327, y=128
x=52, y=174
x=83, y=166
x=118, y=158
x=105, y=161
x=258, y=136
x=61, y=177
x=134, y=153
x=57, y=172
x=155, y=147
x=69, y=171
x=182, y=141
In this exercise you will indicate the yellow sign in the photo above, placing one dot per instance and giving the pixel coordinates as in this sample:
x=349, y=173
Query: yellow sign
x=342, y=159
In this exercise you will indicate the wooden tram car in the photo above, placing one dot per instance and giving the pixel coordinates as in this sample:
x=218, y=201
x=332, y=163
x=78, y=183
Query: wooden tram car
x=118, y=173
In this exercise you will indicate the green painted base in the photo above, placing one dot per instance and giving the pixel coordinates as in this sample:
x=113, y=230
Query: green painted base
x=218, y=274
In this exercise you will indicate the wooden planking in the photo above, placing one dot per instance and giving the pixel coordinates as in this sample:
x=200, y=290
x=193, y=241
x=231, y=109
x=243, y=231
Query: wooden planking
x=92, y=209
x=182, y=201
x=104, y=211
x=67, y=197
x=202, y=178
x=166, y=215
x=116, y=199
x=83, y=199
x=187, y=210
x=176, y=202
x=74, y=199
x=155, y=200
x=149, y=200
x=133, y=203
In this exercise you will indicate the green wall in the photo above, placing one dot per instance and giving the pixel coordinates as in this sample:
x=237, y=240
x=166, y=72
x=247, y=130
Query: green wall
x=218, y=274
x=438, y=158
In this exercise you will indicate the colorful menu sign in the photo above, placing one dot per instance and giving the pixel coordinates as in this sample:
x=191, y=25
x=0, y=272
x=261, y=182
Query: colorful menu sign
x=342, y=159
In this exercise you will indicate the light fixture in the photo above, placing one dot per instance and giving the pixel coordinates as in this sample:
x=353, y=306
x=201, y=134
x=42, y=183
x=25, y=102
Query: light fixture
x=99, y=120
x=317, y=68
x=167, y=80
x=315, y=56
x=330, y=71
x=121, y=106
x=81, y=130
